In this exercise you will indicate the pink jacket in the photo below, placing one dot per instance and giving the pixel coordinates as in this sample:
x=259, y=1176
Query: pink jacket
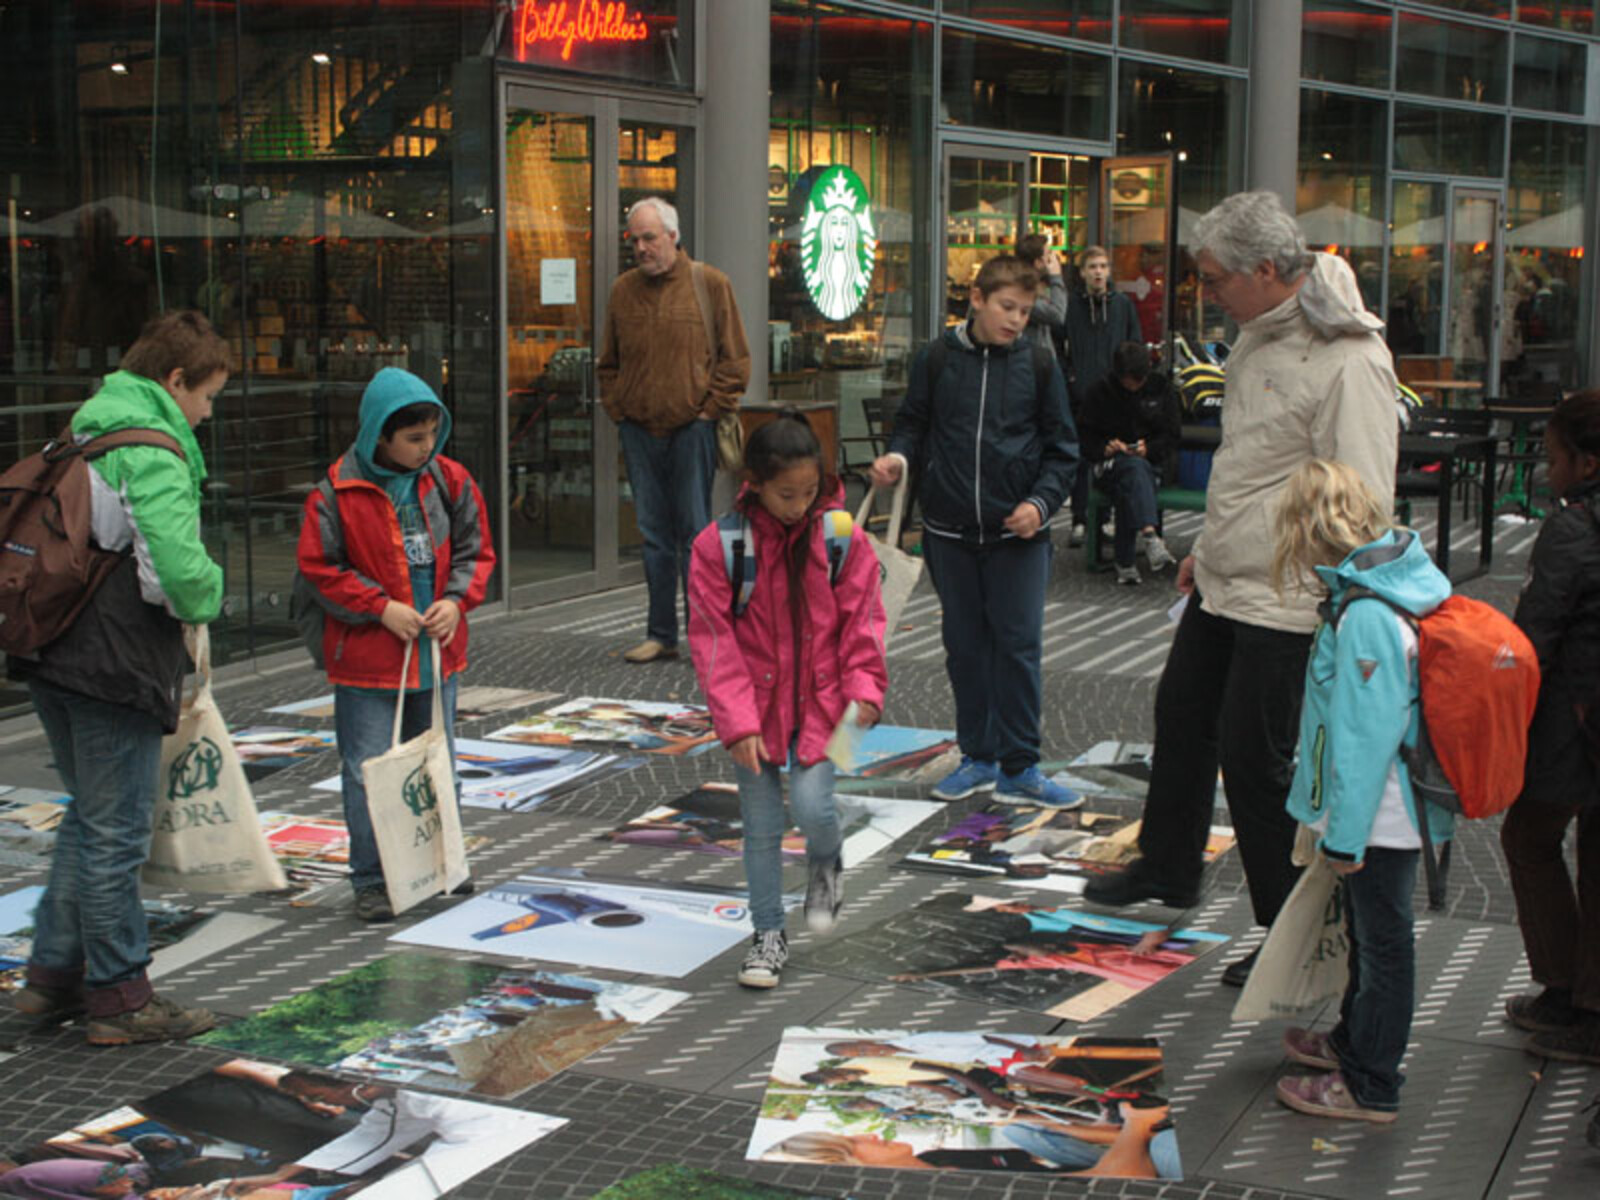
x=756, y=678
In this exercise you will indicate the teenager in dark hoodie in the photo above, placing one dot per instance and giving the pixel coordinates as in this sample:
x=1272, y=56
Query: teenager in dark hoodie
x=1098, y=320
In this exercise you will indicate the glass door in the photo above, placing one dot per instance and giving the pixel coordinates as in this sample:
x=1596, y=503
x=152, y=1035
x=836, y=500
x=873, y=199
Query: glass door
x=985, y=209
x=574, y=163
x=1136, y=212
x=1472, y=319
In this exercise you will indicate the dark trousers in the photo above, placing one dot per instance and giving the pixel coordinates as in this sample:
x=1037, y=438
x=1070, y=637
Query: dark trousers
x=1375, y=1015
x=1131, y=482
x=671, y=478
x=993, y=626
x=1560, y=923
x=1229, y=696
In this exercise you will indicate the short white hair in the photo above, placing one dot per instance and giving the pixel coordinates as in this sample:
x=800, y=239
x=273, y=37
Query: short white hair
x=665, y=211
x=1250, y=228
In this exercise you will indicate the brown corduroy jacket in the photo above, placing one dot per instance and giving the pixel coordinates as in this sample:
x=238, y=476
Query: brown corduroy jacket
x=655, y=367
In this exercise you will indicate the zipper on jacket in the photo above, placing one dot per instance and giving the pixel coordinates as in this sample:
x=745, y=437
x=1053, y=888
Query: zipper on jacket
x=977, y=445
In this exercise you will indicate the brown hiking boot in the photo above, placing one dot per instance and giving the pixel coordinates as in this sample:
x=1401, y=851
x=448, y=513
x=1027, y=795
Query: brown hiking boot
x=158, y=1021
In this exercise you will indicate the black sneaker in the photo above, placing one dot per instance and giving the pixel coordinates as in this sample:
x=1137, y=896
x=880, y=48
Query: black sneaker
x=1131, y=886
x=158, y=1021
x=372, y=904
x=1237, y=973
x=1548, y=1012
x=769, y=950
x=1579, y=1043
x=465, y=888
x=824, y=895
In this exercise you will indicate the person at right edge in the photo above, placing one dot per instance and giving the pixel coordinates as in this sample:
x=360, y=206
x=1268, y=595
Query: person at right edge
x=1309, y=377
x=1559, y=610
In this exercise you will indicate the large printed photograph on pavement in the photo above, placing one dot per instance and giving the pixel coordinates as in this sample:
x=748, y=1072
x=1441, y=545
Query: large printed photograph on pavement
x=631, y=726
x=567, y=917
x=257, y=1131
x=708, y=820
x=447, y=1024
x=1003, y=950
x=1088, y=1106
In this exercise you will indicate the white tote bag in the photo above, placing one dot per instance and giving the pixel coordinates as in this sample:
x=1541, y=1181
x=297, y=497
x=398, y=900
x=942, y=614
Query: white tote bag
x=206, y=836
x=898, y=571
x=411, y=796
x=1305, y=960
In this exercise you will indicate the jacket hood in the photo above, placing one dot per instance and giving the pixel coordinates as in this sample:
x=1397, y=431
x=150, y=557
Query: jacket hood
x=129, y=401
x=391, y=390
x=1331, y=299
x=1395, y=567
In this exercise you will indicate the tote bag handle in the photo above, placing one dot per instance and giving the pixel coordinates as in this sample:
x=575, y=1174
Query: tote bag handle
x=400, y=694
x=897, y=510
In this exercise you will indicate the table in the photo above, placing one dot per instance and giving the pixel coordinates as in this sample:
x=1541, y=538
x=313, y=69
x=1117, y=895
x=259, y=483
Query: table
x=1442, y=389
x=1449, y=450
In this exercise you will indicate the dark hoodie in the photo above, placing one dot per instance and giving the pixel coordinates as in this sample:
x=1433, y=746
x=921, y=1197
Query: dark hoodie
x=1095, y=326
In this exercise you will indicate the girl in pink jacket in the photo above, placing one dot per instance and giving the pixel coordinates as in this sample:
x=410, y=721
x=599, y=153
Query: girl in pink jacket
x=780, y=660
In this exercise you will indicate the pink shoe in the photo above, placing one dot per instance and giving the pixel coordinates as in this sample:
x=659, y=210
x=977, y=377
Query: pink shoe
x=1327, y=1096
x=1309, y=1049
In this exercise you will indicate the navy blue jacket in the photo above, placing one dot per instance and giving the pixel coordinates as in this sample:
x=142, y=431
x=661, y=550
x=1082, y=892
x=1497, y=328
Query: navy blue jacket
x=985, y=437
x=1096, y=326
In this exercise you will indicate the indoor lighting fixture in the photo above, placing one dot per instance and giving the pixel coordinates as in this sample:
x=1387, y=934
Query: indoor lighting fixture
x=119, y=60
x=321, y=59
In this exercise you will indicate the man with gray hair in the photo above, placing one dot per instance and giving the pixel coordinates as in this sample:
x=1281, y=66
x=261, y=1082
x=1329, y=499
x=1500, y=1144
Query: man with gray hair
x=1309, y=377
x=673, y=358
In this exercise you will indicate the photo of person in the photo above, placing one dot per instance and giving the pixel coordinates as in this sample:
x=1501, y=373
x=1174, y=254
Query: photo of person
x=247, y=1128
x=643, y=726
x=1003, y=950
x=1052, y=849
x=968, y=1101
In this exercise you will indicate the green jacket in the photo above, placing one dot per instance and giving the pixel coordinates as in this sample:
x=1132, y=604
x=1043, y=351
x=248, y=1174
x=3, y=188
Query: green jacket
x=151, y=498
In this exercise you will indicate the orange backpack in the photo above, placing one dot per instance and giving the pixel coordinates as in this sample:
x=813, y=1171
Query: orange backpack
x=1477, y=682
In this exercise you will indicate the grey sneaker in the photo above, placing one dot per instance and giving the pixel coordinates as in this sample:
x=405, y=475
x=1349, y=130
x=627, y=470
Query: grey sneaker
x=824, y=895
x=769, y=950
x=1155, y=551
x=158, y=1021
x=1129, y=576
x=372, y=904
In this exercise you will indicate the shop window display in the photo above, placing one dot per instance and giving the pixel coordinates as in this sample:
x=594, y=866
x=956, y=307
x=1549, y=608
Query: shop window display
x=1547, y=304
x=849, y=91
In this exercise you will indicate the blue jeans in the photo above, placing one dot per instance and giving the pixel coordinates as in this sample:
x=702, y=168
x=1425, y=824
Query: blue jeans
x=1132, y=483
x=993, y=626
x=89, y=929
x=761, y=810
x=671, y=478
x=364, y=724
x=1375, y=1017
x=1072, y=1154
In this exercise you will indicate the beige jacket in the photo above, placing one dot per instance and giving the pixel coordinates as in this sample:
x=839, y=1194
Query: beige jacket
x=1312, y=378
x=655, y=367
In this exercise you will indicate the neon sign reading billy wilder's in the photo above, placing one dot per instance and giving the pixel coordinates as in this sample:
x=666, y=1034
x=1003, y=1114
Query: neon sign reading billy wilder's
x=576, y=22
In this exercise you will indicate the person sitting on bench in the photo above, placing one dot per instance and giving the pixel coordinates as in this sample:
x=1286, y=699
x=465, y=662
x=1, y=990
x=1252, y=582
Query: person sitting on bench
x=1130, y=427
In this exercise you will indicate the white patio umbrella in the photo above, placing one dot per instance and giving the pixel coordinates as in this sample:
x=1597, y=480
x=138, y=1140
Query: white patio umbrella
x=1558, y=231
x=1336, y=225
x=298, y=215
x=140, y=218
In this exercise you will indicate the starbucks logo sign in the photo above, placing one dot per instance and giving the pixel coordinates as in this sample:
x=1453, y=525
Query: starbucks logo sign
x=838, y=245
x=418, y=793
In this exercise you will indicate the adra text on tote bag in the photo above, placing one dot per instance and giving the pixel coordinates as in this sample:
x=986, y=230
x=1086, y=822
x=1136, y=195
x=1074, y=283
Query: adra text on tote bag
x=207, y=836
x=898, y=571
x=411, y=795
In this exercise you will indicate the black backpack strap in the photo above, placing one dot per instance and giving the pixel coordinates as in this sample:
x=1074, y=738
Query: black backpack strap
x=1044, y=361
x=938, y=353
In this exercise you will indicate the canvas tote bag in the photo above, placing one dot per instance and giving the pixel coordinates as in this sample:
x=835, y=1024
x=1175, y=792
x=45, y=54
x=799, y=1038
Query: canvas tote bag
x=1305, y=960
x=897, y=570
x=206, y=834
x=411, y=796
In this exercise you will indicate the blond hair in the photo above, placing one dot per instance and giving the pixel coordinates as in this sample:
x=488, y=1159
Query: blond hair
x=815, y=1146
x=1326, y=511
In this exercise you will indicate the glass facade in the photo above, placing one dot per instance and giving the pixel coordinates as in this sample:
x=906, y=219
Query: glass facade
x=1341, y=196
x=1345, y=43
x=1451, y=60
x=1549, y=74
x=1024, y=87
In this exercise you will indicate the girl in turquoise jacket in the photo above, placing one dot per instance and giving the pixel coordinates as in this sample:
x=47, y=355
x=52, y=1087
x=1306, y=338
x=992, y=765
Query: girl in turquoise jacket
x=1350, y=785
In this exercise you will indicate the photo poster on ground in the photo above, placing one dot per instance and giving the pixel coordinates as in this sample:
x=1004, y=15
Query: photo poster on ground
x=264, y=749
x=631, y=726
x=1114, y=769
x=930, y=1101
x=448, y=1024
x=28, y=820
x=566, y=917
x=707, y=819
x=180, y=934
x=315, y=855
x=473, y=702
x=1005, y=950
x=674, y=1181
x=513, y=778
x=237, y=1127
x=900, y=752
x=1047, y=849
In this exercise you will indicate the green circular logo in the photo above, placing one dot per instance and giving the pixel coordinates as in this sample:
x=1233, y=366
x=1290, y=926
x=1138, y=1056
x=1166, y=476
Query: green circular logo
x=838, y=245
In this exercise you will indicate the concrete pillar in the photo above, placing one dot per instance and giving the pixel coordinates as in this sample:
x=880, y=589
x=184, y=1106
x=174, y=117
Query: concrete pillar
x=1272, y=159
x=736, y=41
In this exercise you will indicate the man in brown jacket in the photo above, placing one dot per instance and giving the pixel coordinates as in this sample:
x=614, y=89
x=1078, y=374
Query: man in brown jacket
x=671, y=363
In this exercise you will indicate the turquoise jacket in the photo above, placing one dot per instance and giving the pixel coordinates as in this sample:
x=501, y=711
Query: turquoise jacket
x=1360, y=702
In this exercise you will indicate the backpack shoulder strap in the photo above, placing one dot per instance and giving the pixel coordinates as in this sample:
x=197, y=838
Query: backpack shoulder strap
x=1043, y=362
x=738, y=558
x=838, y=527
x=702, y=297
x=938, y=353
x=97, y=447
